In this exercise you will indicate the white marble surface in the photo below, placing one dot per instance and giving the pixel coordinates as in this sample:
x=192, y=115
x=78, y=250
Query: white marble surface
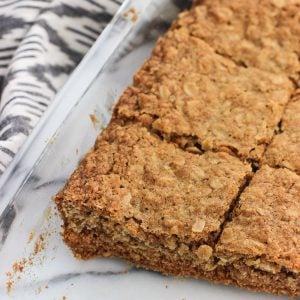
x=48, y=158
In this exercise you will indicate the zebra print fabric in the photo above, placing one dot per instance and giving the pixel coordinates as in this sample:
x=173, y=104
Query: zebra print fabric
x=41, y=42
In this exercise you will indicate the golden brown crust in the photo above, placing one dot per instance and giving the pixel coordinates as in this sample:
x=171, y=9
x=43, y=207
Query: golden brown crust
x=284, y=151
x=266, y=222
x=186, y=90
x=153, y=187
x=86, y=245
x=257, y=33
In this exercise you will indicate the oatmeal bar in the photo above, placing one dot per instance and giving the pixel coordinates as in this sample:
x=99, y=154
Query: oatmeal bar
x=257, y=33
x=143, y=199
x=260, y=247
x=195, y=97
x=284, y=151
x=169, y=184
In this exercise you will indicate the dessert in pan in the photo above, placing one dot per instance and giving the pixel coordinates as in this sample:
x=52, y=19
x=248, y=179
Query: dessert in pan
x=198, y=173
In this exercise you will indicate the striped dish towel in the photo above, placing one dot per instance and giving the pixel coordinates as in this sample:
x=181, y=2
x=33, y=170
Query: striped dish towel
x=41, y=42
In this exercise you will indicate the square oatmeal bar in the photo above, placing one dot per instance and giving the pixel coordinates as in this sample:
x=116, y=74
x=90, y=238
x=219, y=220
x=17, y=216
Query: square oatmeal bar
x=148, y=201
x=260, y=247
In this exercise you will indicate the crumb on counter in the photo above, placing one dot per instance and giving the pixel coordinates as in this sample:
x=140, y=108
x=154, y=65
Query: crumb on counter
x=94, y=120
x=132, y=14
x=31, y=236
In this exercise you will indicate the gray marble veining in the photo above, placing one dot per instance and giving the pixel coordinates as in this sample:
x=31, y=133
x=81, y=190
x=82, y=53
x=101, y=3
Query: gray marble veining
x=44, y=268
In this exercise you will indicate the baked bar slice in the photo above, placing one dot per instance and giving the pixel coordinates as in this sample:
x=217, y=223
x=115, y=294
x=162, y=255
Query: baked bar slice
x=146, y=200
x=260, y=247
x=257, y=33
x=284, y=150
x=197, y=98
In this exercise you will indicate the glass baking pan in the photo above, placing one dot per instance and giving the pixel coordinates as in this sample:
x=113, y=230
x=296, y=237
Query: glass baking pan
x=34, y=262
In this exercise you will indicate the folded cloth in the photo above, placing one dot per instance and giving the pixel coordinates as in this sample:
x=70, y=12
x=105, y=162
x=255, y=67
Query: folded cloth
x=41, y=42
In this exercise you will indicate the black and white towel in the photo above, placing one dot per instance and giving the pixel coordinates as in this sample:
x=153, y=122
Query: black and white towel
x=41, y=42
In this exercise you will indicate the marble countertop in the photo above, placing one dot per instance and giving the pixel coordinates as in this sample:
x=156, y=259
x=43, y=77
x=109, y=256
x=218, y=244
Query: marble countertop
x=34, y=261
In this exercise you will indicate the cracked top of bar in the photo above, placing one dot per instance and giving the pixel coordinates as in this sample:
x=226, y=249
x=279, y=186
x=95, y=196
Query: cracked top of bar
x=266, y=222
x=257, y=33
x=153, y=187
x=284, y=150
x=187, y=92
